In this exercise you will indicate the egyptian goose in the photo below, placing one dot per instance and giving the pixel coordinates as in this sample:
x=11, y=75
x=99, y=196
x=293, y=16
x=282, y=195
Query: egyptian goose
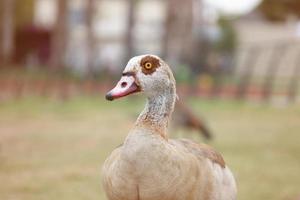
x=148, y=165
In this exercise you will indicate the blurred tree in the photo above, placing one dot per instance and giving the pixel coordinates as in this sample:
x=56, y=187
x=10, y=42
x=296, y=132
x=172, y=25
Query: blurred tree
x=167, y=26
x=275, y=10
x=7, y=30
x=224, y=49
x=24, y=12
x=129, y=29
x=228, y=40
x=91, y=40
x=178, y=29
x=59, y=36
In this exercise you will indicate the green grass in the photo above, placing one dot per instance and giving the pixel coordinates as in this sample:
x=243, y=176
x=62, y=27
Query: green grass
x=54, y=150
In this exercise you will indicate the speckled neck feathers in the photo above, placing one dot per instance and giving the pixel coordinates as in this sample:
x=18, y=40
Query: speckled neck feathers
x=158, y=111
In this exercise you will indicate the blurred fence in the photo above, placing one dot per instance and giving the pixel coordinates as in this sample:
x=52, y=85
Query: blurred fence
x=269, y=69
x=262, y=72
x=14, y=87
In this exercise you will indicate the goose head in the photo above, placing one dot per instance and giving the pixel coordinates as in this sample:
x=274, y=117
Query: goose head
x=146, y=73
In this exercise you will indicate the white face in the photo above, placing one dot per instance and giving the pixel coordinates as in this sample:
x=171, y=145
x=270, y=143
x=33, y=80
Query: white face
x=147, y=73
x=153, y=79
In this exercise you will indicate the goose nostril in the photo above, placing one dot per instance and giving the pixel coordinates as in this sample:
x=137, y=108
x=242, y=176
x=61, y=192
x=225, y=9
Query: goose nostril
x=123, y=84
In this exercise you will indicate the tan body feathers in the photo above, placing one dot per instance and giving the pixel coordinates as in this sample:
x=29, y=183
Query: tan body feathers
x=149, y=165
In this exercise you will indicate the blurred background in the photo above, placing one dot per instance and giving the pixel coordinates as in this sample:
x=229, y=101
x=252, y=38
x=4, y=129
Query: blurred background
x=237, y=66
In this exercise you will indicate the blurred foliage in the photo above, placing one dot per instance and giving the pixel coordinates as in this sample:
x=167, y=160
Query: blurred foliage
x=213, y=55
x=228, y=40
x=183, y=74
x=205, y=81
x=276, y=10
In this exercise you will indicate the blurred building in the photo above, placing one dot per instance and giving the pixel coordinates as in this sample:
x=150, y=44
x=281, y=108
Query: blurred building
x=266, y=38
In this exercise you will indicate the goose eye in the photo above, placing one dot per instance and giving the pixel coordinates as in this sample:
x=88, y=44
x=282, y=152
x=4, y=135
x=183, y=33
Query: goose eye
x=148, y=65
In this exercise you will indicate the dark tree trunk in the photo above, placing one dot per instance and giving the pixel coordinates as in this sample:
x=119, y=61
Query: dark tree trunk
x=91, y=41
x=178, y=29
x=7, y=31
x=59, y=36
x=167, y=26
x=129, y=48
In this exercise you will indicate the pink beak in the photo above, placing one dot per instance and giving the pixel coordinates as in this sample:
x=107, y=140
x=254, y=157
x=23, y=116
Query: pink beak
x=124, y=87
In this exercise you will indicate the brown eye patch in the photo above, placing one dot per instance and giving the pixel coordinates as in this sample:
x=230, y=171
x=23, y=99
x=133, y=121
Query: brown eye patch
x=149, y=64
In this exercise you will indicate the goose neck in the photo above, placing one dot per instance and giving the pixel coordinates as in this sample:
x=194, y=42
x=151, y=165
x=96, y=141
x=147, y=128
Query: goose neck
x=158, y=111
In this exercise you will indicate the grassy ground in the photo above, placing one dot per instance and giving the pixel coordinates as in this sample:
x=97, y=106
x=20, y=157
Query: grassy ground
x=54, y=150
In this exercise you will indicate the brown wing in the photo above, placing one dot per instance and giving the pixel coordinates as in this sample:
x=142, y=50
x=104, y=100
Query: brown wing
x=202, y=150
